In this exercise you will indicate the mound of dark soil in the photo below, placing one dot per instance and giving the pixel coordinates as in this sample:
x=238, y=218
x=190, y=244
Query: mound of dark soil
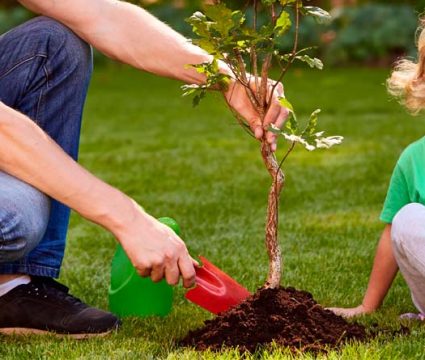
x=286, y=316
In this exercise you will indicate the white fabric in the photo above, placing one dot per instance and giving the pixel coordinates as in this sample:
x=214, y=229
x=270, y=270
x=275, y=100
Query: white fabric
x=9, y=285
x=408, y=242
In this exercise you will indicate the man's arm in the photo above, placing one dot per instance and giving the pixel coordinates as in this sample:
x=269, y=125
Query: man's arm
x=130, y=34
x=127, y=33
x=383, y=273
x=30, y=155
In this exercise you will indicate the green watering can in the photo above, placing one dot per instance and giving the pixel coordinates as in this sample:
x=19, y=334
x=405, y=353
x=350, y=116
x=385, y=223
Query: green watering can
x=132, y=295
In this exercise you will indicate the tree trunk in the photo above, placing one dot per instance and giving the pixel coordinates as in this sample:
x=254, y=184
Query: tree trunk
x=272, y=243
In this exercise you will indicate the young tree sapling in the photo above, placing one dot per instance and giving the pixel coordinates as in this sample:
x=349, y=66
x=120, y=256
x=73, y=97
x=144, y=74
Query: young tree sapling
x=250, y=49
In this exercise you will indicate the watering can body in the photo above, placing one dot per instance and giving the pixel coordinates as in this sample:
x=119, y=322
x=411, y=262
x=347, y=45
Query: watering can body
x=132, y=295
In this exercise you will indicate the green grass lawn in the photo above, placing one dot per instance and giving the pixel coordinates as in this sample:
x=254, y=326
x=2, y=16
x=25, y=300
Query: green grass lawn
x=198, y=166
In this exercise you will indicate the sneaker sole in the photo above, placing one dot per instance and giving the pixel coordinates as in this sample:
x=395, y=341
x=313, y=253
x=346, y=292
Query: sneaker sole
x=29, y=331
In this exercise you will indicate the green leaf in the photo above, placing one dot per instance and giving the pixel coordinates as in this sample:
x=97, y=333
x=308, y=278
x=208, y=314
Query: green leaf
x=283, y=23
x=197, y=98
x=189, y=89
x=238, y=17
x=309, y=132
x=266, y=30
x=207, y=45
x=284, y=57
x=200, y=24
x=285, y=103
x=291, y=123
x=286, y=2
x=224, y=19
x=214, y=80
x=328, y=141
x=274, y=130
x=268, y=2
x=320, y=15
x=218, y=12
x=312, y=62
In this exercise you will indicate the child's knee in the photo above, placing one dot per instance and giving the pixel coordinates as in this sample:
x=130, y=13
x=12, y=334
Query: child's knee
x=408, y=226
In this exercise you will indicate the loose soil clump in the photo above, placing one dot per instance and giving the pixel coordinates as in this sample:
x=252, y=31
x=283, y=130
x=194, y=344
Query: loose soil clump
x=289, y=317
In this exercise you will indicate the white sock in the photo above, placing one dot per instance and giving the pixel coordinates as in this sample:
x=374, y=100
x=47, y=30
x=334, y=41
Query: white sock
x=11, y=284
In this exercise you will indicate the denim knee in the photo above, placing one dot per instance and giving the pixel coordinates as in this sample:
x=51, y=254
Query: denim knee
x=74, y=53
x=24, y=214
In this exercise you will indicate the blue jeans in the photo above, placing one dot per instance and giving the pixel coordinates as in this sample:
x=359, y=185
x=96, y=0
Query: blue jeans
x=45, y=70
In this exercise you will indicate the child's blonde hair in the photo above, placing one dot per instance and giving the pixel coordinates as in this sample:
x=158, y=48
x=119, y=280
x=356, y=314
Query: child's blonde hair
x=407, y=81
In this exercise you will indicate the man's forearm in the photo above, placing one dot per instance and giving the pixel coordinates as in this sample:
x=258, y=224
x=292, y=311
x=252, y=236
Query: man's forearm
x=128, y=33
x=383, y=272
x=132, y=35
x=29, y=154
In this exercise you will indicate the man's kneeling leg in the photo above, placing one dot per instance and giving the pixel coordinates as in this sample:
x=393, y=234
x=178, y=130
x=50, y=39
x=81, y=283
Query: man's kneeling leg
x=44, y=73
x=35, y=304
x=24, y=214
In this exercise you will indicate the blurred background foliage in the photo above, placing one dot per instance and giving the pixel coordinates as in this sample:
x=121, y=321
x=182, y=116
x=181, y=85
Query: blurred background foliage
x=372, y=33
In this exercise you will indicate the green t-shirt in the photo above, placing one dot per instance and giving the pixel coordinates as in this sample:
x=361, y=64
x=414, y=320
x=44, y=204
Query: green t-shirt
x=407, y=183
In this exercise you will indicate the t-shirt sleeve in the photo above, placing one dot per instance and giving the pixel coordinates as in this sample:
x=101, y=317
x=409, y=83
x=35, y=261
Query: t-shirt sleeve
x=397, y=195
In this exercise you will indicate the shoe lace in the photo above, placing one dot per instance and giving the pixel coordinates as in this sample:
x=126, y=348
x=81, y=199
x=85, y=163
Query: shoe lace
x=51, y=287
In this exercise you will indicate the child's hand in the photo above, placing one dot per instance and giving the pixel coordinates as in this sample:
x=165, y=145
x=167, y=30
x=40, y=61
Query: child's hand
x=351, y=312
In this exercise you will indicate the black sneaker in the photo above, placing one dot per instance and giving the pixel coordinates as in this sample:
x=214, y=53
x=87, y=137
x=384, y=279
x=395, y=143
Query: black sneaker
x=45, y=306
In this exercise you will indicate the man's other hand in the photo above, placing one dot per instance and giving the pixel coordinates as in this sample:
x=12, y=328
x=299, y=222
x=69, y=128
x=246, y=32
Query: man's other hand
x=237, y=98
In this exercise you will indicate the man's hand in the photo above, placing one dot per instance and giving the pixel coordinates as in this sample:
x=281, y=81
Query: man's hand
x=238, y=99
x=155, y=250
x=351, y=312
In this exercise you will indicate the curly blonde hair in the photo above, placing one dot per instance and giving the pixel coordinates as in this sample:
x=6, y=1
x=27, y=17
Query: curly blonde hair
x=407, y=80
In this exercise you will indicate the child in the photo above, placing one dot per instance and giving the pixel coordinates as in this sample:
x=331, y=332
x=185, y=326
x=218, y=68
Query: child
x=402, y=243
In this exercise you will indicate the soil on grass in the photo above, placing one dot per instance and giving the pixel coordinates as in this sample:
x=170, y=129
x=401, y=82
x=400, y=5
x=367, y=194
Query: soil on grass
x=289, y=317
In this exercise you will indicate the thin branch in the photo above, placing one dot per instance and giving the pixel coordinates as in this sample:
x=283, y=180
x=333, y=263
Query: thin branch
x=241, y=65
x=297, y=26
x=248, y=89
x=293, y=54
x=255, y=14
x=264, y=81
x=266, y=67
x=254, y=62
x=286, y=155
x=253, y=52
x=236, y=75
x=274, y=17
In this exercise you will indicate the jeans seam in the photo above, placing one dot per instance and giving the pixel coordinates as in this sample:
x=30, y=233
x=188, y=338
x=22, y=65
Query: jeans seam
x=40, y=98
x=21, y=63
x=36, y=118
x=30, y=268
x=2, y=236
x=46, y=73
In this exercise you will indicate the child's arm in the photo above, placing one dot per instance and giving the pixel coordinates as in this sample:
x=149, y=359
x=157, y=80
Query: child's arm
x=383, y=273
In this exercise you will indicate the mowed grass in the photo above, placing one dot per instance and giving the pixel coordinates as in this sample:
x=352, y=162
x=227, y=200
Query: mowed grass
x=199, y=167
